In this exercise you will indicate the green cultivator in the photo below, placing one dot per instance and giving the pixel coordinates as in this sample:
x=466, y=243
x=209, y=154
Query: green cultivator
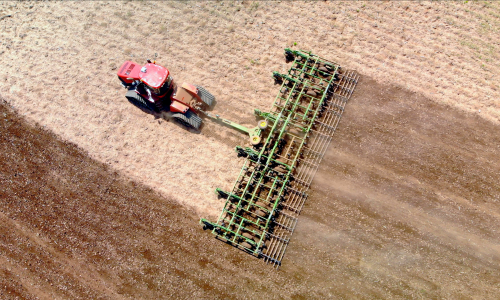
x=260, y=213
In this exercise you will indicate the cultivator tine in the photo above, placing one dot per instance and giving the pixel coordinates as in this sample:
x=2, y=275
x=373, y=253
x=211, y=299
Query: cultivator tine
x=262, y=209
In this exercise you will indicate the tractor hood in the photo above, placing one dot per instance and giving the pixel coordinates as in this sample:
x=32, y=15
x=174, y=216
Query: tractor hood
x=129, y=71
x=153, y=75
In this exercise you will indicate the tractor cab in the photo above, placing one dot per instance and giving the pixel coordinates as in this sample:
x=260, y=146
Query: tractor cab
x=151, y=87
x=154, y=77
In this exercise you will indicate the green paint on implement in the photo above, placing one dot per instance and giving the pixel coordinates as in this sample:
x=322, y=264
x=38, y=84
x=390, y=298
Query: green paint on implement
x=260, y=212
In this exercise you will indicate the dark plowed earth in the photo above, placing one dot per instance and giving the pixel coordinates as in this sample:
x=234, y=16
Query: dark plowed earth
x=71, y=228
x=405, y=205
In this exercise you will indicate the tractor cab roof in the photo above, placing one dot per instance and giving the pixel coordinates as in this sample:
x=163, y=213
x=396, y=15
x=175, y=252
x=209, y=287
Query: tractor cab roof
x=153, y=75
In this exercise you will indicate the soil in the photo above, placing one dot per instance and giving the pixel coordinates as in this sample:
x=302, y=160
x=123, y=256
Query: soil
x=99, y=200
x=59, y=62
x=405, y=205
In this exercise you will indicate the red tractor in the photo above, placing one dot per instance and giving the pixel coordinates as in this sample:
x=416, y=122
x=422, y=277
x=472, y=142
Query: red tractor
x=152, y=88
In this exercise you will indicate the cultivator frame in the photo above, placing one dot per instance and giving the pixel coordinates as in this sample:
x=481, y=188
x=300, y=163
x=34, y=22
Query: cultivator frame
x=260, y=213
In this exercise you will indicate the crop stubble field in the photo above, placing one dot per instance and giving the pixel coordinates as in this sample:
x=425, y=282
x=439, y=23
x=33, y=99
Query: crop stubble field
x=405, y=205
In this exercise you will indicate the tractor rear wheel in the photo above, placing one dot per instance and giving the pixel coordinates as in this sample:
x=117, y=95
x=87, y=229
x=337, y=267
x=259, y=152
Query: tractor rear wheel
x=189, y=119
x=139, y=101
x=205, y=96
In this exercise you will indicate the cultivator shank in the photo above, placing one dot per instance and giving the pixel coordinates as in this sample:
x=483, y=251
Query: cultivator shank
x=260, y=213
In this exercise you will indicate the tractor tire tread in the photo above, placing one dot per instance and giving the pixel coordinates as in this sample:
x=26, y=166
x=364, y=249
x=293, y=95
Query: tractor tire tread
x=189, y=119
x=139, y=101
x=205, y=96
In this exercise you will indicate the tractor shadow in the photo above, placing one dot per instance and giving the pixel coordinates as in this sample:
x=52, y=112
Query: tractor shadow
x=166, y=115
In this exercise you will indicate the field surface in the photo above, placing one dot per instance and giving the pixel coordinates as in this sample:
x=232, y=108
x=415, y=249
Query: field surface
x=101, y=200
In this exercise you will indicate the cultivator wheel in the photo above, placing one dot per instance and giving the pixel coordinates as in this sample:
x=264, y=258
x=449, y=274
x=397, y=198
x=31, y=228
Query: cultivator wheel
x=140, y=102
x=205, y=96
x=189, y=119
x=255, y=140
x=262, y=124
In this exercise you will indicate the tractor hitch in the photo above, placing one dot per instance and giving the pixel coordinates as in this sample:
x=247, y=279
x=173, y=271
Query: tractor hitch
x=255, y=133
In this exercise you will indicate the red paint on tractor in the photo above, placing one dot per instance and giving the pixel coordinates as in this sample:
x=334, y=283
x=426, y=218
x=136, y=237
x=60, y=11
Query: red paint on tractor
x=153, y=75
x=183, y=95
x=129, y=72
x=189, y=87
x=176, y=106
